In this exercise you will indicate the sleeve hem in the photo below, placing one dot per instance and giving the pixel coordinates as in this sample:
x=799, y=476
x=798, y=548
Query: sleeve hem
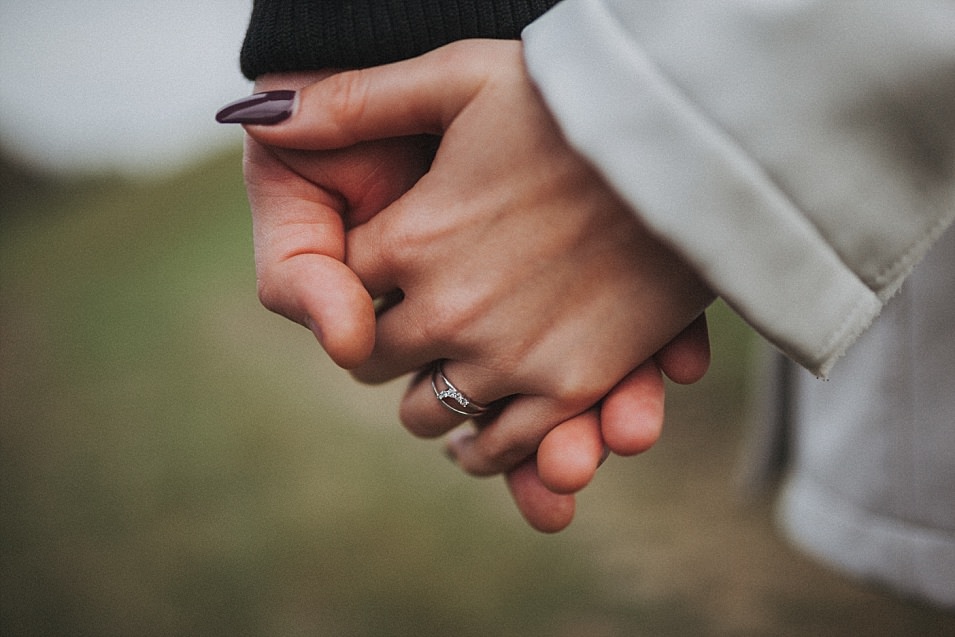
x=693, y=186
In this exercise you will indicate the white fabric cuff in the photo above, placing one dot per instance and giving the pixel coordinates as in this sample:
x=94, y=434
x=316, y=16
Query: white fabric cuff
x=694, y=187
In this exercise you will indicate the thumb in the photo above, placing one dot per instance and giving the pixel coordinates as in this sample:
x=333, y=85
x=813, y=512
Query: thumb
x=421, y=95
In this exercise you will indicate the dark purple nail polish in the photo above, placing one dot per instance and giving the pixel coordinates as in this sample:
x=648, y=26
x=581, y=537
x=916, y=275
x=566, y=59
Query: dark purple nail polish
x=270, y=107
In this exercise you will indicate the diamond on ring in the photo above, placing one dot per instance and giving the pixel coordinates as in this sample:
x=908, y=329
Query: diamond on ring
x=451, y=397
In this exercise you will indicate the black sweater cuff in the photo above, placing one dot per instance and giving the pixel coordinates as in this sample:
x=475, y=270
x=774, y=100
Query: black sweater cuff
x=287, y=35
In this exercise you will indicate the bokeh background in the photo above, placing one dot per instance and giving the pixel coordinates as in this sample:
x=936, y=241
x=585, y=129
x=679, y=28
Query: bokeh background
x=174, y=460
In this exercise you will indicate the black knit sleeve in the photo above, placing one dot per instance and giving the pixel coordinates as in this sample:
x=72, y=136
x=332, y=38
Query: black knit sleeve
x=302, y=35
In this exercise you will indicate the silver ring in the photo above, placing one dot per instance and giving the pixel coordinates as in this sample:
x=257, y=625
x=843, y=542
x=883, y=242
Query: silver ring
x=451, y=397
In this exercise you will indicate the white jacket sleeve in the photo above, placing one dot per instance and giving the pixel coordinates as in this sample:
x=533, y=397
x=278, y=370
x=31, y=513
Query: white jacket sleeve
x=800, y=154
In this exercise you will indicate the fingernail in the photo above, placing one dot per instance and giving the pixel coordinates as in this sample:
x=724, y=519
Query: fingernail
x=266, y=108
x=456, y=441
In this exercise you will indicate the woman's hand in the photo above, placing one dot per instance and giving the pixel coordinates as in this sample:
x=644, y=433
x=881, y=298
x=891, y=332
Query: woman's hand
x=302, y=202
x=516, y=263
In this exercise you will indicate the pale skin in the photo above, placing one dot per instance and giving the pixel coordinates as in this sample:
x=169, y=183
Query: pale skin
x=517, y=264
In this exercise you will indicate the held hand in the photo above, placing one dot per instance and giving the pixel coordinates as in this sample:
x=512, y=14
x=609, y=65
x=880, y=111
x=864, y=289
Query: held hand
x=570, y=454
x=571, y=451
x=628, y=421
x=302, y=203
x=518, y=266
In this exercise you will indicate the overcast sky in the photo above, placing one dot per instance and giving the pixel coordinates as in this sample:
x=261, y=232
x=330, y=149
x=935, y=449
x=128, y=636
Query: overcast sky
x=129, y=85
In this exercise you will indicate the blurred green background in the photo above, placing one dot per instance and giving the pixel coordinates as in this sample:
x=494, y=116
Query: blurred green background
x=174, y=460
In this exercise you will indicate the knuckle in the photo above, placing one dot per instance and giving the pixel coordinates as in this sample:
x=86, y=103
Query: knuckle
x=401, y=237
x=400, y=245
x=448, y=321
x=346, y=100
x=577, y=387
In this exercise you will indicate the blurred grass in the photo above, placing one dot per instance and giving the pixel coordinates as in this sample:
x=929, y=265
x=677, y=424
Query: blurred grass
x=176, y=461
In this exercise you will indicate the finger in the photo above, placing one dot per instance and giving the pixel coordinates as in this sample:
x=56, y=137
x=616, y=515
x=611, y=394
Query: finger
x=413, y=350
x=299, y=246
x=417, y=96
x=415, y=331
x=686, y=358
x=366, y=177
x=387, y=249
x=510, y=435
x=570, y=453
x=335, y=306
x=420, y=397
x=472, y=391
x=631, y=415
x=406, y=337
x=544, y=510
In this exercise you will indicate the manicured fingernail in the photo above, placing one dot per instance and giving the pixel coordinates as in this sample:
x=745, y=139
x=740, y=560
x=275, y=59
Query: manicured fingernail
x=266, y=108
